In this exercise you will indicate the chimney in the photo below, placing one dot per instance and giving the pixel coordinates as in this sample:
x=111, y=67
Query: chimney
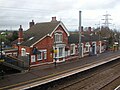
x=53, y=19
x=20, y=35
x=89, y=30
x=31, y=23
x=82, y=31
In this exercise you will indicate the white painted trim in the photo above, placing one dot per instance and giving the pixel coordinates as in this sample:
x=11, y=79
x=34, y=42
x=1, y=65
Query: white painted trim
x=58, y=31
x=23, y=52
x=38, y=40
x=52, y=33
x=63, y=28
x=117, y=88
x=95, y=47
x=39, y=59
x=87, y=44
x=43, y=50
x=63, y=52
x=82, y=49
x=20, y=38
x=72, y=45
x=100, y=43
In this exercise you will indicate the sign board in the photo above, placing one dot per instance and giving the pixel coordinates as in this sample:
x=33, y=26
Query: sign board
x=55, y=51
x=2, y=60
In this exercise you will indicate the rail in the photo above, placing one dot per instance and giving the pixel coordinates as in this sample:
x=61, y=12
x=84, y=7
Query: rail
x=87, y=84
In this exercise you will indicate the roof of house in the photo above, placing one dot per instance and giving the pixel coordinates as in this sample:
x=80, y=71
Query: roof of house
x=74, y=38
x=38, y=31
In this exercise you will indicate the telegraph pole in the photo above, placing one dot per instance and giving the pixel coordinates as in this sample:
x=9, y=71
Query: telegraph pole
x=80, y=52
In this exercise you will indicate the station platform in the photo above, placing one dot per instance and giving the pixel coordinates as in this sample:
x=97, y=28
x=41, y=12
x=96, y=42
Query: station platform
x=46, y=73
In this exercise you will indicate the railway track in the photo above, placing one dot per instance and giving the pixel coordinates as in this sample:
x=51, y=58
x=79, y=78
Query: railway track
x=96, y=81
x=92, y=79
x=105, y=87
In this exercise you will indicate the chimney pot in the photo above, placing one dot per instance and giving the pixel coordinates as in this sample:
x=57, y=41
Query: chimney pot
x=20, y=26
x=20, y=35
x=89, y=29
x=31, y=23
x=81, y=28
x=54, y=19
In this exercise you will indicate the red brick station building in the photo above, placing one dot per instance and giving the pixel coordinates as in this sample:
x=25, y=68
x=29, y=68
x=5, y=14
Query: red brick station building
x=43, y=42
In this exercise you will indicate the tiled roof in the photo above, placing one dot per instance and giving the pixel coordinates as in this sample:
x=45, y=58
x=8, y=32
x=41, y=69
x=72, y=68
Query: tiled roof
x=38, y=31
x=74, y=38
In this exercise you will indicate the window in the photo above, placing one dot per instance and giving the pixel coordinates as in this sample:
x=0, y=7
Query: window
x=58, y=37
x=72, y=50
x=39, y=56
x=45, y=55
x=87, y=47
x=32, y=58
x=31, y=38
x=23, y=52
x=60, y=52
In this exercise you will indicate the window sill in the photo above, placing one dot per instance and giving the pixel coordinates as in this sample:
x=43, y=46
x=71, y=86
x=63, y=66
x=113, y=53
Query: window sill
x=39, y=59
x=72, y=54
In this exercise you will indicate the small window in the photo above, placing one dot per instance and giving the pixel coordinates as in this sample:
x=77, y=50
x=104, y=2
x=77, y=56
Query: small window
x=72, y=50
x=23, y=52
x=32, y=58
x=31, y=38
x=45, y=55
x=87, y=47
x=39, y=56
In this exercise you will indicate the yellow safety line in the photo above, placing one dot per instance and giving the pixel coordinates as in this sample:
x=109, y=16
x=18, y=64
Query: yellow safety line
x=33, y=80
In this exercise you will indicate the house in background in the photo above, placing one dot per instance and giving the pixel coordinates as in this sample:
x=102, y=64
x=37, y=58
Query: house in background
x=41, y=40
x=91, y=44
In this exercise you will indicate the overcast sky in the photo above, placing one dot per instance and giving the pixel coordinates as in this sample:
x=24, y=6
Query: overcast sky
x=20, y=12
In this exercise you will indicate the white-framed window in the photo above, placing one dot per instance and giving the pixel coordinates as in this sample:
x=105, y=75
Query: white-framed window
x=72, y=49
x=39, y=56
x=58, y=37
x=44, y=55
x=60, y=51
x=32, y=58
x=87, y=47
x=23, y=52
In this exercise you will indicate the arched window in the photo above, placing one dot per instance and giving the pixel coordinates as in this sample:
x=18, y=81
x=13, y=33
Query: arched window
x=58, y=37
x=87, y=47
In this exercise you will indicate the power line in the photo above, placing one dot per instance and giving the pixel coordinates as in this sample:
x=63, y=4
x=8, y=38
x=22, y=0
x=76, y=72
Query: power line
x=106, y=19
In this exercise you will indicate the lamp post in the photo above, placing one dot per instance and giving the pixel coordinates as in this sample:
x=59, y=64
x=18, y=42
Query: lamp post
x=1, y=56
x=1, y=48
x=100, y=39
x=55, y=51
x=2, y=43
x=99, y=34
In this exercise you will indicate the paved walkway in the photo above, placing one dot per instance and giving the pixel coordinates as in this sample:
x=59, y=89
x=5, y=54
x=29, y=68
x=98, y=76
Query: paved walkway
x=37, y=73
